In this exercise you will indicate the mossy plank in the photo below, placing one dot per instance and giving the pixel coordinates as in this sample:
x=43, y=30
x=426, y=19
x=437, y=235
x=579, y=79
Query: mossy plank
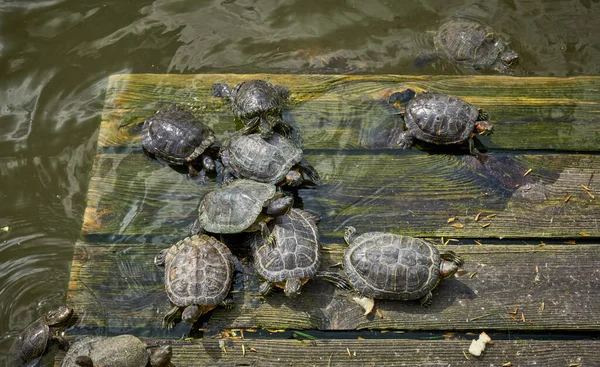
x=349, y=112
x=501, y=287
x=379, y=352
x=392, y=190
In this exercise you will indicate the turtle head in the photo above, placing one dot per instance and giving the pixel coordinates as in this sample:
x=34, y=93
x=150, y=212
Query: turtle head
x=401, y=99
x=265, y=126
x=84, y=361
x=280, y=206
x=349, y=234
x=449, y=264
x=191, y=313
x=293, y=178
x=161, y=357
x=509, y=57
x=484, y=128
x=292, y=287
x=59, y=316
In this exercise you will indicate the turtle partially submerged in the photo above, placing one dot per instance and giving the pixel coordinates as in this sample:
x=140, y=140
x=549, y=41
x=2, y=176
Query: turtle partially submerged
x=474, y=45
x=440, y=119
x=177, y=137
x=389, y=266
x=242, y=206
x=33, y=342
x=198, y=277
x=273, y=160
x=123, y=351
x=292, y=255
x=257, y=104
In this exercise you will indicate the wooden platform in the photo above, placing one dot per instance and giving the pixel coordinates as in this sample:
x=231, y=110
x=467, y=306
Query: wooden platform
x=531, y=257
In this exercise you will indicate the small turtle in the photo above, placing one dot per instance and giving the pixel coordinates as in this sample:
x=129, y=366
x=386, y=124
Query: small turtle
x=36, y=338
x=242, y=206
x=292, y=256
x=273, y=160
x=389, y=266
x=123, y=351
x=440, y=119
x=258, y=104
x=474, y=45
x=198, y=276
x=177, y=137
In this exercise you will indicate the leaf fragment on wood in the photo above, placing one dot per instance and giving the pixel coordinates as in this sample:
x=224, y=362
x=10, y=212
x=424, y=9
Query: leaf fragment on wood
x=472, y=275
x=527, y=172
x=243, y=350
x=507, y=364
x=486, y=225
x=5, y=229
x=366, y=303
x=490, y=216
x=477, y=217
x=458, y=225
x=584, y=234
x=568, y=198
x=514, y=312
x=542, y=306
x=450, y=220
x=465, y=354
x=479, y=243
x=477, y=347
x=591, y=195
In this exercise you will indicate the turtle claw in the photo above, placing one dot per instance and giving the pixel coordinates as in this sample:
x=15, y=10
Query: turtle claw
x=405, y=140
x=426, y=300
x=335, y=279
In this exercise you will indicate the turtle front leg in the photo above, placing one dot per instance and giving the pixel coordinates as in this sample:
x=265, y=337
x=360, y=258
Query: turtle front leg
x=265, y=288
x=228, y=303
x=426, y=300
x=169, y=319
x=61, y=342
x=251, y=126
x=159, y=259
x=406, y=140
x=284, y=128
x=472, y=150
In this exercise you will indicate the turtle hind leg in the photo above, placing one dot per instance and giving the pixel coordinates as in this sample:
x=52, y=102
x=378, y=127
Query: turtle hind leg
x=159, y=259
x=169, y=319
x=335, y=279
x=426, y=300
x=451, y=256
x=220, y=90
x=405, y=140
x=265, y=288
x=250, y=126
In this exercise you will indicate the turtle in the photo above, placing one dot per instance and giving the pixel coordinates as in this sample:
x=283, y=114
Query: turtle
x=198, y=277
x=390, y=266
x=274, y=160
x=292, y=255
x=474, y=45
x=242, y=206
x=177, y=137
x=122, y=350
x=34, y=341
x=440, y=119
x=257, y=104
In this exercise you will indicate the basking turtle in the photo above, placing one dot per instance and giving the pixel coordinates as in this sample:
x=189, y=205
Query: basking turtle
x=273, y=160
x=258, y=104
x=177, y=137
x=292, y=256
x=474, y=45
x=242, y=206
x=198, y=276
x=440, y=119
x=36, y=338
x=123, y=351
x=389, y=266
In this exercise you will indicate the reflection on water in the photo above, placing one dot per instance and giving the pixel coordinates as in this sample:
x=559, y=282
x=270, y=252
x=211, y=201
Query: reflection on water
x=56, y=56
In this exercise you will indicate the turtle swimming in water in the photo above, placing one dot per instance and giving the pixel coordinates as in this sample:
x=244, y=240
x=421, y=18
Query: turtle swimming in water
x=275, y=160
x=36, y=338
x=122, y=351
x=471, y=44
x=291, y=256
x=178, y=137
x=390, y=266
x=198, y=277
x=440, y=119
x=257, y=104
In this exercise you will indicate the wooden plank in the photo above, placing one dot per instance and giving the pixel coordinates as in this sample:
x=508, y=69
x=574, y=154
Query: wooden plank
x=391, y=190
x=380, y=352
x=553, y=287
x=347, y=112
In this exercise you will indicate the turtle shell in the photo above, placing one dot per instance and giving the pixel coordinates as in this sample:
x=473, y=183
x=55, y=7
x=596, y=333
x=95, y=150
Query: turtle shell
x=390, y=266
x=440, y=118
x=297, y=252
x=258, y=159
x=470, y=43
x=198, y=271
x=122, y=351
x=254, y=97
x=176, y=136
x=31, y=342
x=235, y=207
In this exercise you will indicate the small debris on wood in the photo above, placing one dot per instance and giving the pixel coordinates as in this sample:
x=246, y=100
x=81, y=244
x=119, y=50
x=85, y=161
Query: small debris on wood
x=507, y=364
x=243, y=350
x=542, y=244
x=5, y=229
x=514, y=312
x=571, y=242
x=450, y=220
x=584, y=234
x=522, y=316
x=360, y=338
x=573, y=364
x=378, y=314
x=349, y=354
x=478, y=346
x=568, y=198
x=472, y=275
x=458, y=225
x=465, y=354
x=253, y=350
x=527, y=172
x=585, y=188
x=366, y=303
x=486, y=225
x=222, y=346
x=514, y=318
x=591, y=195
x=448, y=335
x=479, y=243
x=542, y=306
x=537, y=269
x=477, y=217
x=490, y=216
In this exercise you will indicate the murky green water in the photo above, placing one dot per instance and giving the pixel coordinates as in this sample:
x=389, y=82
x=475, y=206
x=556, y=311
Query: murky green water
x=56, y=56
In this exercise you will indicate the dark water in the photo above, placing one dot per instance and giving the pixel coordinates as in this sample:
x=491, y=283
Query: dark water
x=56, y=56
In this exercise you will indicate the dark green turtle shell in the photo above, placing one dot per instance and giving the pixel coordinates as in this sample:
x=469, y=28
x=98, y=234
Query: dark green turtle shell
x=252, y=98
x=258, y=159
x=296, y=253
x=31, y=342
x=198, y=271
x=235, y=207
x=176, y=136
x=440, y=118
x=389, y=266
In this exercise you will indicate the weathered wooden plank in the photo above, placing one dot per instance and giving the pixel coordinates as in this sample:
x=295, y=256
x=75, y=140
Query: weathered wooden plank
x=553, y=287
x=380, y=352
x=346, y=112
x=392, y=190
